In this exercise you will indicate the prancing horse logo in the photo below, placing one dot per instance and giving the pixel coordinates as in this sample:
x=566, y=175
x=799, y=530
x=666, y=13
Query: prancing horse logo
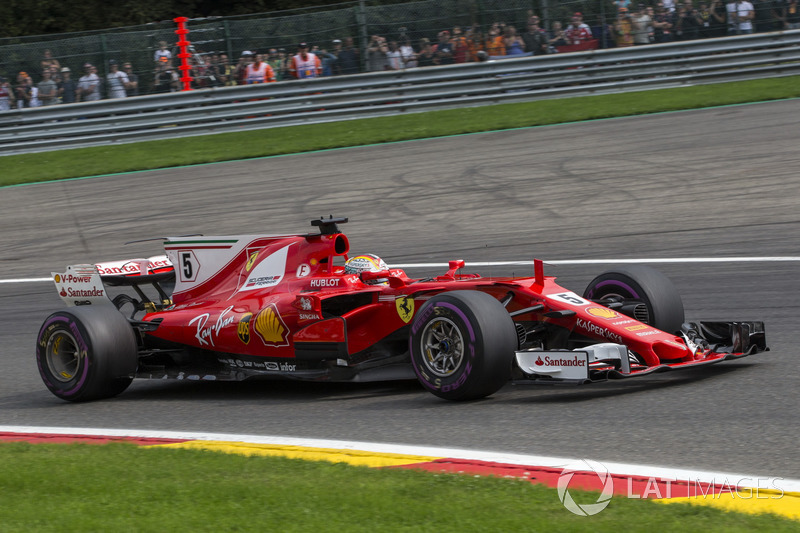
x=405, y=308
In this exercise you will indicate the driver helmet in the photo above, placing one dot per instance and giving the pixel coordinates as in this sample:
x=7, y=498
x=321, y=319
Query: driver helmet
x=366, y=263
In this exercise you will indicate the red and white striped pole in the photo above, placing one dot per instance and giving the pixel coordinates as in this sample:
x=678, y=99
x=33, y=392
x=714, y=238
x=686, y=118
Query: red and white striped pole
x=183, y=44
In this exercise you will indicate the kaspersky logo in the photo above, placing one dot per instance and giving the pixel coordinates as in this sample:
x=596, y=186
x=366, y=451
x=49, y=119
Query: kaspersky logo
x=585, y=466
x=270, y=327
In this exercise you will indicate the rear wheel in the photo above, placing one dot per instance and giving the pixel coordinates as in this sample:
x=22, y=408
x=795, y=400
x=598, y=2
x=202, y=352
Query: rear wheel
x=647, y=295
x=86, y=353
x=462, y=345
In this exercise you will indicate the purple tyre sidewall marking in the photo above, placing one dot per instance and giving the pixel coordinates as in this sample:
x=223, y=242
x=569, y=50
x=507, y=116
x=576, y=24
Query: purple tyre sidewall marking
x=471, y=331
x=76, y=333
x=615, y=283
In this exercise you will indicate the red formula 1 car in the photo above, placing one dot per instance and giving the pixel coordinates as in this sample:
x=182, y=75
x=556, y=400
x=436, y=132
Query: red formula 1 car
x=234, y=307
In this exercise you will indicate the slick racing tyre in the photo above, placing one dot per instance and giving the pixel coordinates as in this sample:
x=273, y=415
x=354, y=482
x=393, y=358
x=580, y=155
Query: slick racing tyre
x=86, y=353
x=648, y=295
x=462, y=345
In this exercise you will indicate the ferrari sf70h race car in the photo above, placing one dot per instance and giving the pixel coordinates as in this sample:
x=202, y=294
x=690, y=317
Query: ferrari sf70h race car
x=235, y=307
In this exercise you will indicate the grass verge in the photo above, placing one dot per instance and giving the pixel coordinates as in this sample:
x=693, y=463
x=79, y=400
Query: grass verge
x=30, y=168
x=123, y=487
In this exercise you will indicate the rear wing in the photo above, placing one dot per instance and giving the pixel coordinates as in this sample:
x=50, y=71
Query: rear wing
x=86, y=284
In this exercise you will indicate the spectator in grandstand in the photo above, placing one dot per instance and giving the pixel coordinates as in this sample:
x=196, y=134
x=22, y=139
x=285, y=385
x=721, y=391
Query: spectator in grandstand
x=165, y=79
x=67, y=88
x=740, y=17
x=89, y=84
x=304, y=64
x=443, y=51
x=662, y=25
x=515, y=45
x=162, y=52
x=642, y=26
x=788, y=14
x=578, y=32
x=275, y=63
x=116, y=81
x=495, y=45
x=6, y=95
x=55, y=74
x=27, y=95
x=132, y=88
x=49, y=61
x=376, y=54
x=329, y=58
x=349, y=58
x=408, y=55
x=792, y=10
x=763, y=20
x=212, y=70
x=47, y=89
x=224, y=71
x=535, y=38
x=718, y=19
x=669, y=5
x=622, y=30
x=425, y=56
x=240, y=70
x=259, y=71
x=556, y=37
x=688, y=23
x=778, y=14
x=330, y=61
x=394, y=59
x=474, y=42
x=460, y=46
x=618, y=4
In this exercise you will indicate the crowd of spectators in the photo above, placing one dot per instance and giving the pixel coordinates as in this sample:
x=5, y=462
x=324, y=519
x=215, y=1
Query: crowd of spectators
x=633, y=24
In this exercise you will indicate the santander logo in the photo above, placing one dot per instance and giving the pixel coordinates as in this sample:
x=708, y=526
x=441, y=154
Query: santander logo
x=539, y=361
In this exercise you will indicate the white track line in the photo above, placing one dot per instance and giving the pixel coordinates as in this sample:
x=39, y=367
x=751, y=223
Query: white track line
x=787, y=485
x=665, y=260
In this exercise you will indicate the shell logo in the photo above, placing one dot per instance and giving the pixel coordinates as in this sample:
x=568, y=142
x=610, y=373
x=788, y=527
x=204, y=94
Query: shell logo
x=58, y=278
x=270, y=327
x=602, y=312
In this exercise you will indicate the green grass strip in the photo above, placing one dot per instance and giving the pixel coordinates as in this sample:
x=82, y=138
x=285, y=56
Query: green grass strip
x=122, y=487
x=95, y=161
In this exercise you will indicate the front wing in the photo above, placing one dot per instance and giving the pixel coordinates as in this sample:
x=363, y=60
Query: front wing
x=606, y=361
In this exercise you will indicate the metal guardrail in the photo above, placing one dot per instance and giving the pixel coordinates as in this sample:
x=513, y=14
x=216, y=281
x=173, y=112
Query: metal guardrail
x=109, y=122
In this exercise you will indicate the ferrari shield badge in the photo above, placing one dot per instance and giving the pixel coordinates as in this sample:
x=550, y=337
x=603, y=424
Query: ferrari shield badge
x=405, y=307
x=251, y=261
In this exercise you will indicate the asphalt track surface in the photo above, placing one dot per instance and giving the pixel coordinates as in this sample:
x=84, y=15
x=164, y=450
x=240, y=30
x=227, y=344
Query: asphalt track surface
x=710, y=183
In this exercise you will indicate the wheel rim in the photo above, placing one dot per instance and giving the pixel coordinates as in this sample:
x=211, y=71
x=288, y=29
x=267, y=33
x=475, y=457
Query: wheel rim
x=442, y=347
x=63, y=356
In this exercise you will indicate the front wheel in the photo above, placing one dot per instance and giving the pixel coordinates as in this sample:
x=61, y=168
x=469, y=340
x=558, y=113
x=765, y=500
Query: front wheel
x=648, y=295
x=86, y=353
x=462, y=345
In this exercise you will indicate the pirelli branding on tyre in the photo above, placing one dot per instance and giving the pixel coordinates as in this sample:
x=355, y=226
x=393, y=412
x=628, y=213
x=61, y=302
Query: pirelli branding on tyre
x=446, y=345
x=61, y=353
x=461, y=345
